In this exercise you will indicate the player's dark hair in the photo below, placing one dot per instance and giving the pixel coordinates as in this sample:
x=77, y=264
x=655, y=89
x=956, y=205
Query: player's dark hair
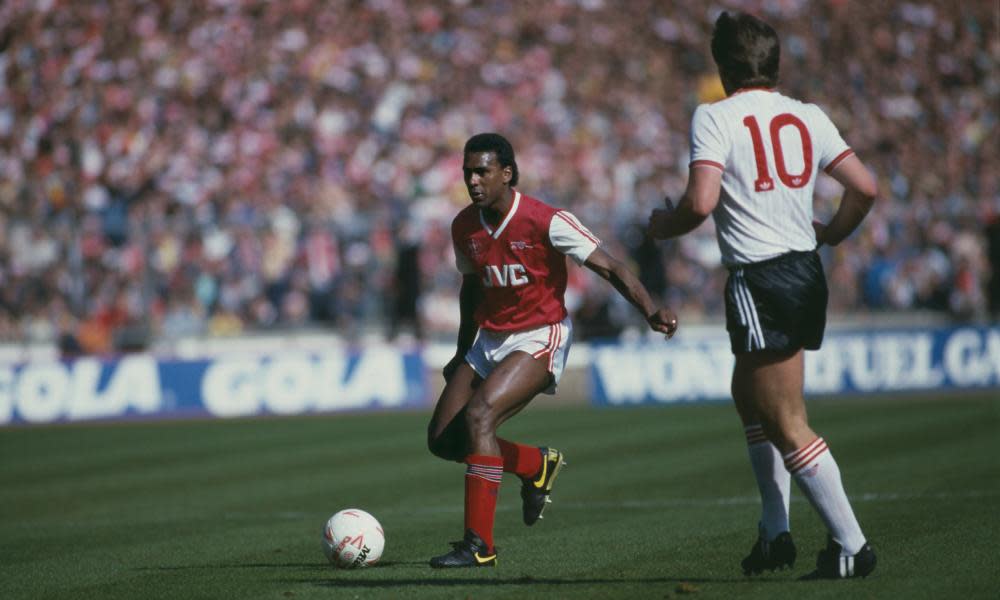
x=746, y=50
x=498, y=144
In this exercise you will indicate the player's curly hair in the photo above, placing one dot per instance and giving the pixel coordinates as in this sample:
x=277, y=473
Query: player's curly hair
x=494, y=142
x=746, y=50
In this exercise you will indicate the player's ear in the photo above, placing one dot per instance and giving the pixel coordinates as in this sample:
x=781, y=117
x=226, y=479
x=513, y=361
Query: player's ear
x=508, y=174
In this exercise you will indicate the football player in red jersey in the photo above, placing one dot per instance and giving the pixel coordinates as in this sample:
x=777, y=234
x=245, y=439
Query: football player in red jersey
x=755, y=158
x=513, y=337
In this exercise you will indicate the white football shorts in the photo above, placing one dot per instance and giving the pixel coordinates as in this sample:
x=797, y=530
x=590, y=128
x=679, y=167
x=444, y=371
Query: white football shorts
x=550, y=341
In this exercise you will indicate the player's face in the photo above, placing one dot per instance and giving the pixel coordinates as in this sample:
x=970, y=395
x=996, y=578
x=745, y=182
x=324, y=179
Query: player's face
x=487, y=182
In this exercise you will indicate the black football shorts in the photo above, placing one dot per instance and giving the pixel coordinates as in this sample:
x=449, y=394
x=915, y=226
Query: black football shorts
x=777, y=304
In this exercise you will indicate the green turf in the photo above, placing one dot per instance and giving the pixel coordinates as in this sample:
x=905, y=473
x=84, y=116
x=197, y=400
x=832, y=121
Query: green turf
x=655, y=503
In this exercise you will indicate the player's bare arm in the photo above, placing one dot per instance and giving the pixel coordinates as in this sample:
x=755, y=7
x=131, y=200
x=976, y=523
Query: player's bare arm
x=860, y=189
x=628, y=285
x=699, y=200
x=468, y=299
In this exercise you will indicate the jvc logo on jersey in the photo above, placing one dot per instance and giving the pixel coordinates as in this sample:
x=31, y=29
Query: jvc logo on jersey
x=505, y=275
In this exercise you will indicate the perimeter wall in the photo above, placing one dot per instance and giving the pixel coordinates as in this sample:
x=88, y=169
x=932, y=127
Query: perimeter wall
x=288, y=375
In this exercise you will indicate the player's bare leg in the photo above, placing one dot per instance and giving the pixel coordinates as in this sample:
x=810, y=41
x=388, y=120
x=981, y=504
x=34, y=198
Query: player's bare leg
x=505, y=392
x=446, y=432
x=508, y=389
x=776, y=382
x=774, y=548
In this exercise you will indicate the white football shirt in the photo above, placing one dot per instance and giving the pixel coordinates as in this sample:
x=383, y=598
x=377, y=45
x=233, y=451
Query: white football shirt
x=769, y=148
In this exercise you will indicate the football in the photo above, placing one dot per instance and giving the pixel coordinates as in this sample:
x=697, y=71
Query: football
x=353, y=539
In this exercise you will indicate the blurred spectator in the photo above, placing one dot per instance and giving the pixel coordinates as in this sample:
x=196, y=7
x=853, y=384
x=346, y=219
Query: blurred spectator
x=595, y=319
x=405, y=291
x=217, y=166
x=993, y=240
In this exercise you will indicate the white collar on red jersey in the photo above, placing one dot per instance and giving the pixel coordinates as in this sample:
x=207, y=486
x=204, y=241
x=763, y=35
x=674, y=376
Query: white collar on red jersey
x=503, y=225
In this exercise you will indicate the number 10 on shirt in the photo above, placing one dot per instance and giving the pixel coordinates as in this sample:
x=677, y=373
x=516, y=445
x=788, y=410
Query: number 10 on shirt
x=764, y=183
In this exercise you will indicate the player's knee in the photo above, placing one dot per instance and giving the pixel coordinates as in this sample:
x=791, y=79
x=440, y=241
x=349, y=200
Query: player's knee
x=435, y=444
x=480, y=420
x=447, y=447
x=787, y=432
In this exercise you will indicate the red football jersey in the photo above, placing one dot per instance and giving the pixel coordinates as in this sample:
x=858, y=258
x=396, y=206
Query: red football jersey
x=521, y=263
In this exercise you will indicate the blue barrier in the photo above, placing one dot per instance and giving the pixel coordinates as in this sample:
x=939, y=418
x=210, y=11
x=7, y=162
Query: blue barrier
x=698, y=366
x=143, y=386
x=695, y=366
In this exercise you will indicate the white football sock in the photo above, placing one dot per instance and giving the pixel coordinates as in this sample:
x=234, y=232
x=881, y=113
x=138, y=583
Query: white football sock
x=773, y=481
x=818, y=477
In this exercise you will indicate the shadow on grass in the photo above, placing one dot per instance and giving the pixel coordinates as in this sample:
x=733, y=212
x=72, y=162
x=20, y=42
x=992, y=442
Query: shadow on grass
x=359, y=582
x=259, y=565
x=358, y=579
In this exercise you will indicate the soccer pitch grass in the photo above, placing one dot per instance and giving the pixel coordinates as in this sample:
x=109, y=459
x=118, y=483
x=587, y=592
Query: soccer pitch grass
x=655, y=503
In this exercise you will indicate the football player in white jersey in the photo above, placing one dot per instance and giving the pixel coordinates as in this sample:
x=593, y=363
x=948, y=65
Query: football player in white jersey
x=755, y=157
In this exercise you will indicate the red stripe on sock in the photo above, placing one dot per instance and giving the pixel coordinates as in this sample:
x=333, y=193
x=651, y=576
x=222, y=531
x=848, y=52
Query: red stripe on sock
x=755, y=435
x=795, y=454
x=803, y=456
x=808, y=458
x=481, y=498
x=523, y=461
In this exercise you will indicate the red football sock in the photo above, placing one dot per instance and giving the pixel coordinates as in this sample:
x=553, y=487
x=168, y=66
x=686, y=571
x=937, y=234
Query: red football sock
x=482, y=484
x=523, y=461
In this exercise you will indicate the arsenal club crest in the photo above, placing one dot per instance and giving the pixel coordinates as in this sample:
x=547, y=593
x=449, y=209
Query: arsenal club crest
x=474, y=247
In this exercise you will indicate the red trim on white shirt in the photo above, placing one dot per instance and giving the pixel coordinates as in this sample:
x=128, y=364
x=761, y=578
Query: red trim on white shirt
x=840, y=158
x=579, y=228
x=707, y=163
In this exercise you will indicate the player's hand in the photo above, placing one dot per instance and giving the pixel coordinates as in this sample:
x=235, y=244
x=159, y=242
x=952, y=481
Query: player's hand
x=657, y=222
x=658, y=216
x=820, y=229
x=452, y=366
x=663, y=320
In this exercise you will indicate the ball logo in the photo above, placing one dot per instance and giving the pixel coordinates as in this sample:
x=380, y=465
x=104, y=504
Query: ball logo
x=360, y=558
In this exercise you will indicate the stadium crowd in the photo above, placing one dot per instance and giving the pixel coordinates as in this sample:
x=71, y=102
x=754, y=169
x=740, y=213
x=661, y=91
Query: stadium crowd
x=174, y=168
